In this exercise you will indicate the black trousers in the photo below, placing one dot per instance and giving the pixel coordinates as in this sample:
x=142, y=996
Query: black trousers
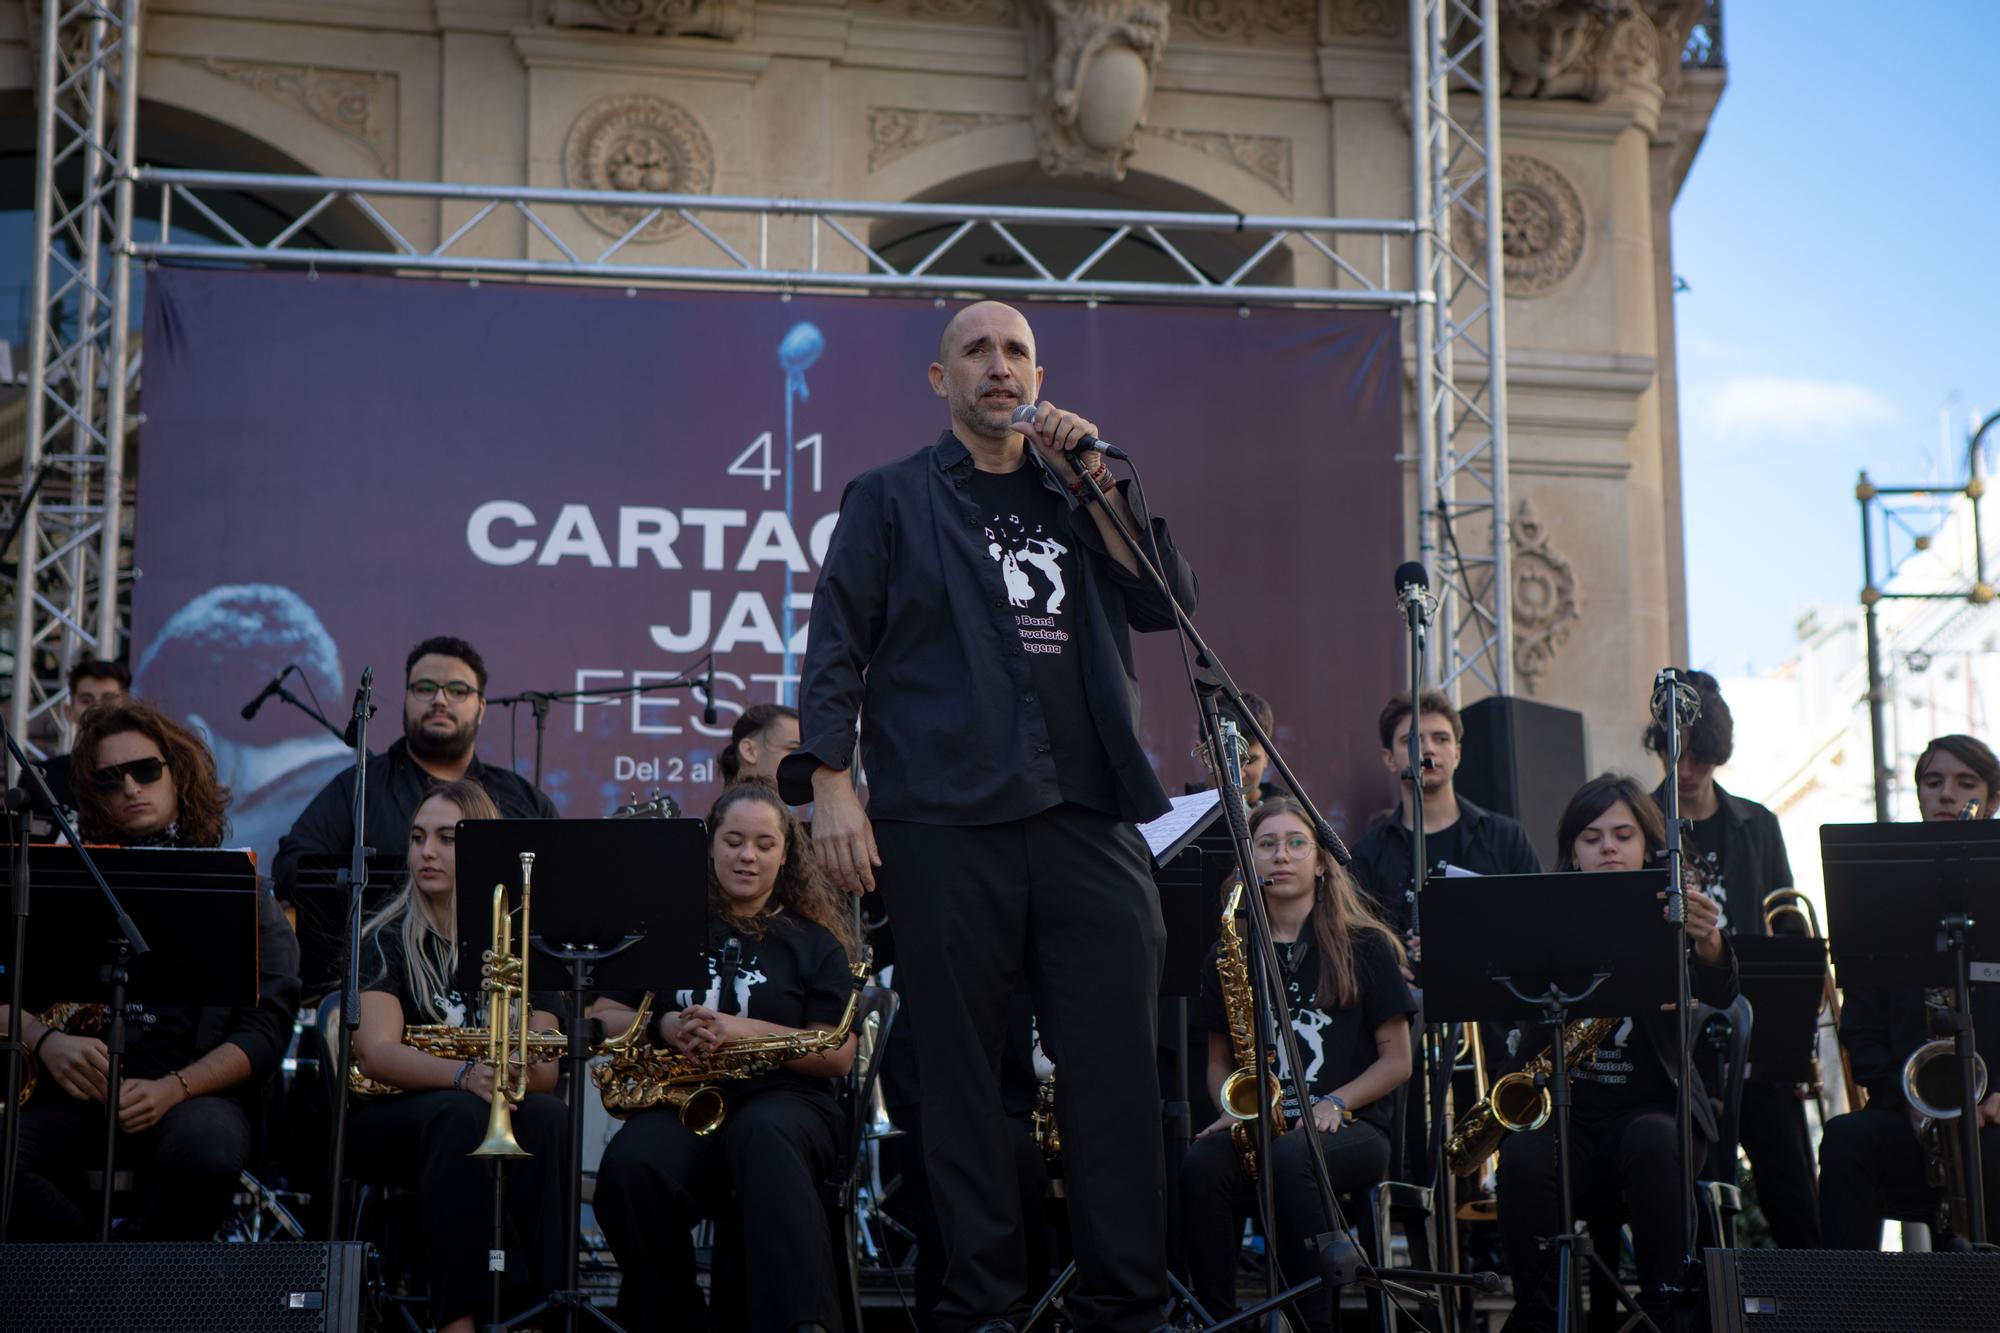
x=1632, y=1152
x=758, y=1176
x=1216, y=1196
x=188, y=1163
x=420, y=1140
x=1775, y=1135
x=1871, y=1167
x=1064, y=904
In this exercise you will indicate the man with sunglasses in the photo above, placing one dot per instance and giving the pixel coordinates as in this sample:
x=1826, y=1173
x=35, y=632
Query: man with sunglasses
x=444, y=701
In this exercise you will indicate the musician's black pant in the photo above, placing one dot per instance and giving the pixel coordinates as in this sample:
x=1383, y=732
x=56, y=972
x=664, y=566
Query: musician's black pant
x=1216, y=1195
x=421, y=1141
x=1775, y=1135
x=1064, y=904
x=1871, y=1167
x=187, y=1162
x=1631, y=1152
x=758, y=1176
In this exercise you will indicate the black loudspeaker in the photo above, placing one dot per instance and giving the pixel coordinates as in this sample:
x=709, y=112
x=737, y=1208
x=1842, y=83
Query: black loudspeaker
x=1851, y=1291
x=283, y=1287
x=1524, y=760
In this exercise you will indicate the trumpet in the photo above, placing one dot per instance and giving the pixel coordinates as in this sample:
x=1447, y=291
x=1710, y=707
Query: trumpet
x=1791, y=903
x=504, y=973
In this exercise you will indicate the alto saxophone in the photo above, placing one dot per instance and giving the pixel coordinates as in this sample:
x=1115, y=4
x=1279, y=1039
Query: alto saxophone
x=1239, y=1090
x=68, y=1019
x=1517, y=1103
x=639, y=1077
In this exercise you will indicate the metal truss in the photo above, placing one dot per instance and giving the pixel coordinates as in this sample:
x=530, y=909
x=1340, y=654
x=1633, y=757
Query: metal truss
x=68, y=514
x=1463, y=523
x=833, y=245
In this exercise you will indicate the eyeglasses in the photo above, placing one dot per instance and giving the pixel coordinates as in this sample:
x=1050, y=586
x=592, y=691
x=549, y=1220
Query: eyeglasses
x=455, y=690
x=145, y=772
x=1298, y=844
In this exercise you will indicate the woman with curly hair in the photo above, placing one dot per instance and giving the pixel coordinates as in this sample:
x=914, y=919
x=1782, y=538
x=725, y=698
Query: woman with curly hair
x=779, y=945
x=191, y=1077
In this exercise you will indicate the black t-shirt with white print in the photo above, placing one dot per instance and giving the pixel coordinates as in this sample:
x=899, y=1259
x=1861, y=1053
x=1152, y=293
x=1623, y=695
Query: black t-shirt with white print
x=384, y=969
x=1705, y=853
x=1336, y=1044
x=1624, y=1072
x=1027, y=533
x=795, y=974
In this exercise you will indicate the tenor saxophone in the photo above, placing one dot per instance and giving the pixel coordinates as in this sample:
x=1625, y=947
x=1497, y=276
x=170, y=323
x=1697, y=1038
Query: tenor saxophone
x=639, y=1077
x=69, y=1019
x=1517, y=1103
x=1239, y=1090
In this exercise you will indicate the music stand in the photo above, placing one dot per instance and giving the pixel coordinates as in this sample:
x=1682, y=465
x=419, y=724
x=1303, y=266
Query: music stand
x=1784, y=978
x=1555, y=948
x=1903, y=902
x=624, y=905
x=318, y=895
x=186, y=903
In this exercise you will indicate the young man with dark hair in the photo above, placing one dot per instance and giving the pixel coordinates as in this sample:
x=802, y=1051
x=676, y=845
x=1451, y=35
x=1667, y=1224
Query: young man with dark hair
x=1735, y=852
x=444, y=701
x=92, y=682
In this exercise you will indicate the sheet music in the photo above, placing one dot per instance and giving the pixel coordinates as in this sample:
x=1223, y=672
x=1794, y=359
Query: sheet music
x=1171, y=827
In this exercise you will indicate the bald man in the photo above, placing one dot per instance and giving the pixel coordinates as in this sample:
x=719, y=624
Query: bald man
x=975, y=613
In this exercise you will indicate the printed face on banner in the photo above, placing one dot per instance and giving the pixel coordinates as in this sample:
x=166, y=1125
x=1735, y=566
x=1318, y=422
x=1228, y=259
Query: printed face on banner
x=638, y=482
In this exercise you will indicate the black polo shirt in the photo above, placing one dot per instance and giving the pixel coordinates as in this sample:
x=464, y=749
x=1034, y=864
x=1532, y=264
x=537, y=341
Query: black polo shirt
x=1481, y=841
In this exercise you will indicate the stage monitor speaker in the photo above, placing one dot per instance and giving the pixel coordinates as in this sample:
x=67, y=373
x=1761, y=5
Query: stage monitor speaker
x=1851, y=1291
x=170, y=1287
x=1524, y=760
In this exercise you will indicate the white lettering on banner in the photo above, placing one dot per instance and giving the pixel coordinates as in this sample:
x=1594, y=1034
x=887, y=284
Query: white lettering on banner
x=713, y=523
x=773, y=541
x=479, y=532
x=748, y=621
x=642, y=529
x=575, y=534
x=649, y=713
x=624, y=768
x=822, y=536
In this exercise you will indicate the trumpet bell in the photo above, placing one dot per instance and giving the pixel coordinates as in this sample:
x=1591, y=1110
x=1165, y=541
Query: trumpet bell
x=499, y=1140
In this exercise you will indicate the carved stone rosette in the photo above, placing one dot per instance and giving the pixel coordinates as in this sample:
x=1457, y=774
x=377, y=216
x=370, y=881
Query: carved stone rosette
x=1547, y=602
x=654, y=18
x=637, y=142
x=1542, y=225
x=1091, y=65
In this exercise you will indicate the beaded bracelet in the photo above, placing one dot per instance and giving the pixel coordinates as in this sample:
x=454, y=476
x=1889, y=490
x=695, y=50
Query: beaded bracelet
x=187, y=1093
x=458, y=1079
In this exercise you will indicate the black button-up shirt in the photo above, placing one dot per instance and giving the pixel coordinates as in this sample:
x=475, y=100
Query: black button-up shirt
x=913, y=633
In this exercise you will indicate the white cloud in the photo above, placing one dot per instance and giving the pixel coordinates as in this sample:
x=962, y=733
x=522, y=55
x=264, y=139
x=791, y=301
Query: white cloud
x=1795, y=408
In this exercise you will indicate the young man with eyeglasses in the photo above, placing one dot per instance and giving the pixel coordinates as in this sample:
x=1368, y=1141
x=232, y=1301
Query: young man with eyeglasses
x=444, y=701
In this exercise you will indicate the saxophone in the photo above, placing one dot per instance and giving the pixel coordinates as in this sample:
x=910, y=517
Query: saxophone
x=1931, y=1087
x=69, y=1019
x=1517, y=1102
x=1239, y=1090
x=639, y=1077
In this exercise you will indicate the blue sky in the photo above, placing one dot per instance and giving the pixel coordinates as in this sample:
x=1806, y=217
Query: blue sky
x=1840, y=238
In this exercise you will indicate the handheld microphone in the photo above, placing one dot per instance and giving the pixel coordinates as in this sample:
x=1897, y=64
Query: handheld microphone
x=1413, y=592
x=277, y=683
x=708, y=694
x=1027, y=412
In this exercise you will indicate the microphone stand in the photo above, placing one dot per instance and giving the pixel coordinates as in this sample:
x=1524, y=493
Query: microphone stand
x=1675, y=706
x=355, y=881
x=311, y=712
x=1339, y=1259
x=539, y=701
x=131, y=945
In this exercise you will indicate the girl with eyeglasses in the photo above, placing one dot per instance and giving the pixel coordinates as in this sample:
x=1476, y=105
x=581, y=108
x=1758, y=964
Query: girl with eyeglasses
x=192, y=1076
x=1350, y=1012
x=421, y=1135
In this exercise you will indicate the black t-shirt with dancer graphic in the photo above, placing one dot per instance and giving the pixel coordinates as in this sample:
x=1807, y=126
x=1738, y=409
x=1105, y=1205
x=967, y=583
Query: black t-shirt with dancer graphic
x=384, y=969
x=1026, y=532
x=1624, y=1072
x=1336, y=1044
x=795, y=974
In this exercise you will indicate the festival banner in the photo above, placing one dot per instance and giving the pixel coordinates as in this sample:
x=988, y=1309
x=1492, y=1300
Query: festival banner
x=597, y=486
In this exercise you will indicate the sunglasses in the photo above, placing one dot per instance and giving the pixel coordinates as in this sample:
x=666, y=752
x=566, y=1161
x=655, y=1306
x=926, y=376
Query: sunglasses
x=145, y=772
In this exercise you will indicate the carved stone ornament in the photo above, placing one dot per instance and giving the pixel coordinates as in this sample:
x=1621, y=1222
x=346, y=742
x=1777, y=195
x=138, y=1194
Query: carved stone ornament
x=1268, y=157
x=897, y=131
x=1542, y=226
x=972, y=11
x=1590, y=49
x=654, y=18
x=1547, y=603
x=1271, y=21
x=358, y=105
x=1091, y=65
x=1369, y=18
x=637, y=142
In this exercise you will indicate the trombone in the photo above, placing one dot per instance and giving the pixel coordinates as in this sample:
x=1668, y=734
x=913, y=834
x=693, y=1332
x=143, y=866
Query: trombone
x=1783, y=903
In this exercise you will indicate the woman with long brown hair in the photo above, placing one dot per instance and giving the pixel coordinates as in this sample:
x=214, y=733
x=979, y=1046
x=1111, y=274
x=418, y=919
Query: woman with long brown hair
x=191, y=1077
x=1349, y=1009
x=779, y=945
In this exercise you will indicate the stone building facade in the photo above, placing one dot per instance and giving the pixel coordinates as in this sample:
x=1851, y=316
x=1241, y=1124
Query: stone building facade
x=1256, y=106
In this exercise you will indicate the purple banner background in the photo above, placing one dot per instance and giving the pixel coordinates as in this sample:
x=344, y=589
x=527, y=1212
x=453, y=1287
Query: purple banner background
x=326, y=459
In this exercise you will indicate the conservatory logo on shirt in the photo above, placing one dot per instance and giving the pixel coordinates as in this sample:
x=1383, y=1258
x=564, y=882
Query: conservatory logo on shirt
x=1031, y=567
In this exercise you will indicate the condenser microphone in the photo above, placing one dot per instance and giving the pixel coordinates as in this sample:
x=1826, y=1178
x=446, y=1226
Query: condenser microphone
x=277, y=683
x=708, y=694
x=1027, y=412
x=1413, y=592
